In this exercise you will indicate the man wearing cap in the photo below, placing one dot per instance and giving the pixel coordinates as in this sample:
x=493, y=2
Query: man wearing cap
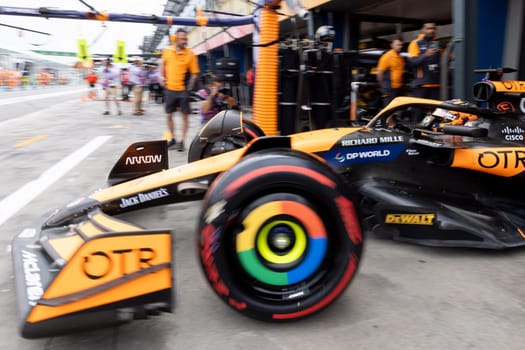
x=137, y=77
x=176, y=61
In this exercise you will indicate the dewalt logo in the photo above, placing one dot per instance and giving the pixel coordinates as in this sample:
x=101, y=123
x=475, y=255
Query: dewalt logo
x=410, y=219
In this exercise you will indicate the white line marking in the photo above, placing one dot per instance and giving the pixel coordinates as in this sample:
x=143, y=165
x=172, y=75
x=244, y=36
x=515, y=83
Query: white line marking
x=11, y=100
x=17, y=200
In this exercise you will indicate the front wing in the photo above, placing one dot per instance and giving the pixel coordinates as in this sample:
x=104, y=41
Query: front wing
x=97, y=273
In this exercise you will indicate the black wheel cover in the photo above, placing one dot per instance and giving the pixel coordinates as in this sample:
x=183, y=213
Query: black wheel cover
x=279, y=236
x=223, y=136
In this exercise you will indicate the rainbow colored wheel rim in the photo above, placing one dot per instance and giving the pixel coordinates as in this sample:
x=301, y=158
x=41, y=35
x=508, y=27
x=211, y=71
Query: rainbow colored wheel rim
x=283, y=242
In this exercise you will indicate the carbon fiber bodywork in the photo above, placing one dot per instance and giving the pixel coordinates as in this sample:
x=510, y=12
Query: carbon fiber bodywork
x=458, y=185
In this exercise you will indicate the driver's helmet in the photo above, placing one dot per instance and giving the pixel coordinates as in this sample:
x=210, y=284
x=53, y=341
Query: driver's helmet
x=325, y=34
x=446, y=116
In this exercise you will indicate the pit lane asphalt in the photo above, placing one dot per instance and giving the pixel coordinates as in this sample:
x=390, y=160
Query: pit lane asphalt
x=403, y=297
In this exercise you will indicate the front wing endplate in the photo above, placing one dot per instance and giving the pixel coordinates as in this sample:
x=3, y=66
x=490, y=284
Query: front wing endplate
x=99, y=272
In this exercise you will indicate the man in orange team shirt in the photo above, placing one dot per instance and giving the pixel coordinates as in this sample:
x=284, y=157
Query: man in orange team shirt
x=390, y=70
x=175, y=62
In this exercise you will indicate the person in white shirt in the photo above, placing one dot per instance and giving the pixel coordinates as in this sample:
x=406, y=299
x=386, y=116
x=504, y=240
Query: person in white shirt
x=137, y=77
x=110, y=83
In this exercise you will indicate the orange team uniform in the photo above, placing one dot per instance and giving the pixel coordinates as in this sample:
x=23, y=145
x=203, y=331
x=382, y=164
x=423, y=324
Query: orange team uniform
x=426, y=69
x=393, y=64
x=176, y=64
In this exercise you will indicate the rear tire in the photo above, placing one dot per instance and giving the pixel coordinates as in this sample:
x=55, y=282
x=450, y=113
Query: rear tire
x=279, y=236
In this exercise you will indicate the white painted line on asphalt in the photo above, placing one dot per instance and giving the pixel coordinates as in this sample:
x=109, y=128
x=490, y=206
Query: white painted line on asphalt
x=10, y=100
x=17, y=200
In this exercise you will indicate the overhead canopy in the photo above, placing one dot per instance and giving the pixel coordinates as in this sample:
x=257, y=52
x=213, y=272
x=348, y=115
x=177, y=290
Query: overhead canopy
x=211, y=38
x=223, y=37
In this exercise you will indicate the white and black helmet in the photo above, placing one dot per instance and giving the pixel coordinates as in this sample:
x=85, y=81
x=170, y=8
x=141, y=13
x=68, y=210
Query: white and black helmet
x=325, y=34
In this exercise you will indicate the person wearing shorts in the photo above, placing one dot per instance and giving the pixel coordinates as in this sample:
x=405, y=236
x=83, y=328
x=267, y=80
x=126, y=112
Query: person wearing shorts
x=176, y=61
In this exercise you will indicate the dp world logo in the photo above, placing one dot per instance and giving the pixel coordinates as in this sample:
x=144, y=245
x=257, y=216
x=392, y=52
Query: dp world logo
x=368, y=154
x=340, y=157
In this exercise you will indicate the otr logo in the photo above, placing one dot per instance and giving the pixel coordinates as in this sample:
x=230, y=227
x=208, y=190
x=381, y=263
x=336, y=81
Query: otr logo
x=123, y=261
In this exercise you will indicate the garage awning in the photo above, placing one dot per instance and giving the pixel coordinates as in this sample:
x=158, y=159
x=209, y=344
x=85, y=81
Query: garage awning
x=224, y=37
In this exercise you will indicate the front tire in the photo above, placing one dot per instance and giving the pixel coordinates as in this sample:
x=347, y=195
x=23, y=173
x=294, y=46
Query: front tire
x=279, y=236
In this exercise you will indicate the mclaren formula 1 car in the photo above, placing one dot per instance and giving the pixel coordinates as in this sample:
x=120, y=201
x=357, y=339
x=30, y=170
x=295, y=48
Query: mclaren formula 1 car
x=281, y=227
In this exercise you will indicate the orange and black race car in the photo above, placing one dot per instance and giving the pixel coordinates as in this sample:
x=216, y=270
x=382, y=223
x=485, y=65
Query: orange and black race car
x=280, y=233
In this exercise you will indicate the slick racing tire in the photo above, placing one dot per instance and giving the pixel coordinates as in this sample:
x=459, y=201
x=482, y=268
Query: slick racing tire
x=279, y=238
x=211, y=142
